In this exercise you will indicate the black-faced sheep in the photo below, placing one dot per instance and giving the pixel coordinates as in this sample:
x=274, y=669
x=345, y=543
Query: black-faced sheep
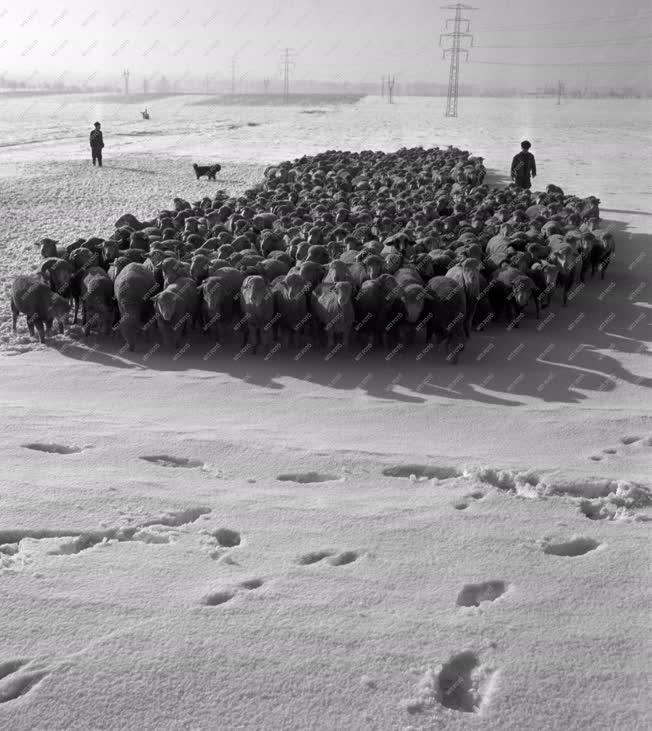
x=446, y=315
x=31, y=296
x=134, y=288
x=332, y=307
x=176, y=309
x=257, y=304
x=512, y=293
x=220, y=301
x=97, y=301
x=291, y=304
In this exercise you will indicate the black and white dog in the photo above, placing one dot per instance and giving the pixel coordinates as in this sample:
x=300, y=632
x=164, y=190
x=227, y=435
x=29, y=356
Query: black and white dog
x=208, y=170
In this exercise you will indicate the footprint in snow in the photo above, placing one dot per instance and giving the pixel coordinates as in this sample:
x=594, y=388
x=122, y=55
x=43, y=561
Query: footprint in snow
x=164, y=460
x=52, y=448
x=344, y=558
x=226, y=537
x=341, y=559
x=576, y=546
x=313, y=557
x=463, y=504
x=473, y=594
x=216, y=598
x=251, y=584
x=305, y=478
x=422, y=472
x=463, y=683
x=626, y=441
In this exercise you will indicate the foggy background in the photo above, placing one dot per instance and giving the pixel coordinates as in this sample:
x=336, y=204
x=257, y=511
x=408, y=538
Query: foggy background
x=205, y=46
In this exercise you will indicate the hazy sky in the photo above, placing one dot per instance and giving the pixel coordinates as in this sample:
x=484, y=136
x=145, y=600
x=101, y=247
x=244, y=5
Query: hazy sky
x=515, y=42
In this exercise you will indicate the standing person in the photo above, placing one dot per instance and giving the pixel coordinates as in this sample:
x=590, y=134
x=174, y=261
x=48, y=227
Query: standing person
x=524, y=166
x=97, y=143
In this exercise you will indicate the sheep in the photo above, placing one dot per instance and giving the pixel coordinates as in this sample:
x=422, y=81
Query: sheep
x=109, y=252
x=446, y=306
x=176, y=309
x=337, y=271
x=98, y=304
x=511, y=294
x=134, y=287
x=291, y=304
x=270, y=269
x=172, y=269
x=138, y=240
x=565, y=258
x=49, y=248
x=220, y=301
x=544, y=275
x=414, y=298
x=200, y=267
x=370, y=266
x=312, y=272
x=257, y=302
x=57, y=273
x=332, y=307
x=467, y=275
x=603, y=251
x=378, y=310
x=118, y=265
x=32, y=297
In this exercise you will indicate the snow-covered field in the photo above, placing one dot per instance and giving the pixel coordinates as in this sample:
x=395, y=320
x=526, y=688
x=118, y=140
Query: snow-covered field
x=281, y=543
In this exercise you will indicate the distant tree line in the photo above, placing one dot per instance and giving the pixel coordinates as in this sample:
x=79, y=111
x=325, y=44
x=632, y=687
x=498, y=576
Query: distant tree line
x=218, y=84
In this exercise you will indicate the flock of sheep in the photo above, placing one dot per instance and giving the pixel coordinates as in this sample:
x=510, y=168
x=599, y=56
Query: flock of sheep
x=385, y=249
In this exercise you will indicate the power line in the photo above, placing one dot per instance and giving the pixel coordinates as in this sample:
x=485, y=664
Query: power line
x=583, y=44
x=564, y=23
x=454, y=52
x=576, y=63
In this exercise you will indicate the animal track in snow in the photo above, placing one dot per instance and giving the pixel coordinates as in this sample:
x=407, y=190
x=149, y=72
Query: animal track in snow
x=473, y=594
x=154, y=530
x=164, y=460
x=216, y=598
x=626, y=441
x=576, y=546
x=621, y=503
x=343, y=558
x=422, y=472
x=250, y=584
x=226, y=537
x=306, y=478
x=475, y=495
x=52, y=448
x=16, y=679
x=462, y=683
x=314, y=557
x=630, y=440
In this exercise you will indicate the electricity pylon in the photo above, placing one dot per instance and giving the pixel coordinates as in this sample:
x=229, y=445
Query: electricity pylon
x=454, y=52
x=390, y=88
x=287, y=60
x=125, y=75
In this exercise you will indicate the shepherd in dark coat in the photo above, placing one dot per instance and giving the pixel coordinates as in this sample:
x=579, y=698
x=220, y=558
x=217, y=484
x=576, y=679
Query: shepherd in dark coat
x=524, y=166
x=97, y=143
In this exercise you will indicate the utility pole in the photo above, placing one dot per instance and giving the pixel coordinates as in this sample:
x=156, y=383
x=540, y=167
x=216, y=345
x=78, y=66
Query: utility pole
x=145, y=85
x=390, y=88
x=454, y=52
x=560, y=91
x=287, y=60
x=266, y=85
x=125, y=75
x=382, y=87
